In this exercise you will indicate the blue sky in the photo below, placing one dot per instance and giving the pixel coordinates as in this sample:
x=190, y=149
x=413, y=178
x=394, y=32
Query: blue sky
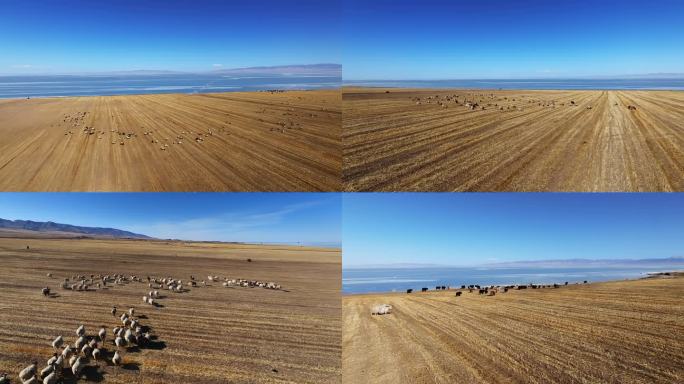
x=443, y=39
x=476, y=228
x=310, y=218
x=57, y=36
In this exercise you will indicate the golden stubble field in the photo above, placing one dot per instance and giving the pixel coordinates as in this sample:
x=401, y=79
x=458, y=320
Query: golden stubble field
x=211, y=334
x=428, y=140
x=615, y=332
x=242, y=141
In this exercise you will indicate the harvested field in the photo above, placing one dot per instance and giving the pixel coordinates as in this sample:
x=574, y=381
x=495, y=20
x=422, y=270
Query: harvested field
x=429, y=140
x=209, y=334
x=615, y=332
x=247, y=141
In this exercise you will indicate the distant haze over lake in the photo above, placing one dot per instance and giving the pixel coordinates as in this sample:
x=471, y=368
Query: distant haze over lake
x=626, y=83
x=379, y=278
x=293, y=77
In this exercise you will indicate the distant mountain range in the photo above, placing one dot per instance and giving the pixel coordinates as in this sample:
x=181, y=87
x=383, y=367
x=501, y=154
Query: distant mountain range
x=66, y=229
x=579, y=263
x=298, y=70
x=333, y=70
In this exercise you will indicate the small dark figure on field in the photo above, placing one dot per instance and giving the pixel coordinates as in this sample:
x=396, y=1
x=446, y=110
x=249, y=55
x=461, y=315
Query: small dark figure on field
x=458, y=293
x=249, y=260
x=424, y=290
x=566, y=283
x=409, y=290
x=46, y=291
x=27, y=247
x=585, y=281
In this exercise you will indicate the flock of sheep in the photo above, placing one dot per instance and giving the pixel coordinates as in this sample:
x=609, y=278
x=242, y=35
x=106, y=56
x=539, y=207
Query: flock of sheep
x=492, y=290
x=77, y=120
x=76, y=357
x=476, y=102
x=131, y=332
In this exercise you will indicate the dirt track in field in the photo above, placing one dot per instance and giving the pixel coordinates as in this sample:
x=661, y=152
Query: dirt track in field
x=418, y=140
x=251, y=141
x=616, y=332
x=210, y=334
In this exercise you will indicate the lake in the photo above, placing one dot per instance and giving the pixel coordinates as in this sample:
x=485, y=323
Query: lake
x=366, y=280
x=576, y=84
x=53, y=86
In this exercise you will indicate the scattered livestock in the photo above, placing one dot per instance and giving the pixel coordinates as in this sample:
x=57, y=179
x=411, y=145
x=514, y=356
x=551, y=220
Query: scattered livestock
x=409, y=290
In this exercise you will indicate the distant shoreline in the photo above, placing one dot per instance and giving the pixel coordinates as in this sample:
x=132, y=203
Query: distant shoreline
x=172, y=93
x=646, y=275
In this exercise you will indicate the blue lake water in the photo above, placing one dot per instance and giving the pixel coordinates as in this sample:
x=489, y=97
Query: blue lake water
x=577, y=84
x=53, y=86
x=366, y=280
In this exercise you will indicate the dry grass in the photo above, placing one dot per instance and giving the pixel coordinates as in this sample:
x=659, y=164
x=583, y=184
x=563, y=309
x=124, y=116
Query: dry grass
x=538, y=142
x=208, y=335
x=252, y=141
x=616, y=332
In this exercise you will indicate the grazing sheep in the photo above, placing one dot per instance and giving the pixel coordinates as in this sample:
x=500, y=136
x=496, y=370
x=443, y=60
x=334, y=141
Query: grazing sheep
x=4, y=379
x=52, y=378
x=58, y=342
x=49, y=274
x=67, y=352
x=80, y=331
x=113, y=310
x=77, y=367
x=80, y=343
x=131, y=311
x=86, y=350
x=97, y=353
x=72, y=360
x=102, y=334
x=120, y=342
x=458, y=293
x=29, y=371
x=46, y=291
x=409, y=290
x=117, y=358
x=47, y=370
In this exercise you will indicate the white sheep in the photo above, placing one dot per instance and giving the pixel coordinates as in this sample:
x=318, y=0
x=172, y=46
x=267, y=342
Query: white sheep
x=80, y=343
x=77, y=367
x=119, y=342
x=52, y=378
x=57, y=342
x=81, y=331
x=29, y=371
x=102, y=334
x=97, y=353
x=117, y=358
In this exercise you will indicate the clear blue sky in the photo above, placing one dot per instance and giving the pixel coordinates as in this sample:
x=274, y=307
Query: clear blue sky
x=473, y=228
x=310, y=218
x=55, y=36
x=444, y=39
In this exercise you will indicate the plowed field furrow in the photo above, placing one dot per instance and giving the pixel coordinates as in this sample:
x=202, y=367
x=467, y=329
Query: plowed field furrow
x=428, y=140
x=210, y=334
x=614, y=332
x=243, y=142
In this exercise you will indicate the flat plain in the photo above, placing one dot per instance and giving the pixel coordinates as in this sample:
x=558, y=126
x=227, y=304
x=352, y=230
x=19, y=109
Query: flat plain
x=241, y=141
x=209, y=334
x=613, y=332
x=485, y=140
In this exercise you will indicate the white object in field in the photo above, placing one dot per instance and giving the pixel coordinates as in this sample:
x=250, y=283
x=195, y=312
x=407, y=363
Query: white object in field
x=381, y=309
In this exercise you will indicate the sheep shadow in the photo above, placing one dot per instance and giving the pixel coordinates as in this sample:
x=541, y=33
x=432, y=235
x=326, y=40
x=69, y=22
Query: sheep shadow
x=53, y=295
x=90, y=373
x=131, y=366
x=156, y=345
x=144, y=317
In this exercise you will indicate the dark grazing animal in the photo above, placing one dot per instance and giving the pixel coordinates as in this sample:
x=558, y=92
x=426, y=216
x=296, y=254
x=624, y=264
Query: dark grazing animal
x=458, y=293
x=409, y=290
x=424, y=289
